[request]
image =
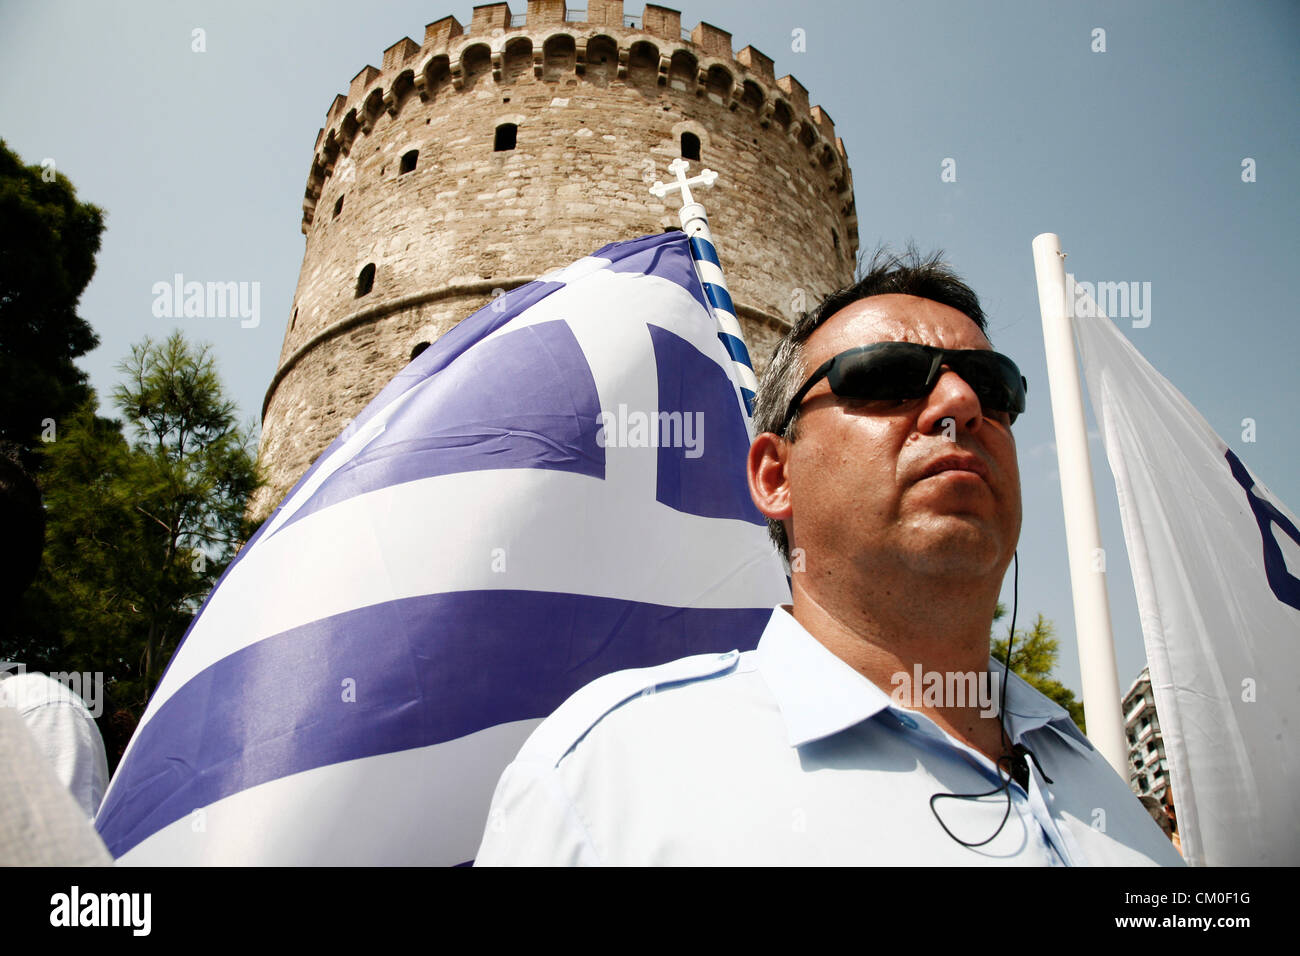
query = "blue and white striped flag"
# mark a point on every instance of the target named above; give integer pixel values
(554, 490)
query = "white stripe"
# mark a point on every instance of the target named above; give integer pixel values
(710, 273)
(730, 324)
(641, 300)
(576, 271)
(422, 807)
(557, 531)
(345, 453)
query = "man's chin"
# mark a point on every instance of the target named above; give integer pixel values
(962, 545)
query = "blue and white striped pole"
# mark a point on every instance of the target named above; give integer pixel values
(695, 223)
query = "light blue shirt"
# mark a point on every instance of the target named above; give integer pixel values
(786, 755)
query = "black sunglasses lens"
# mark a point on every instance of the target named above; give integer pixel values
(995, 380)
(887, 372)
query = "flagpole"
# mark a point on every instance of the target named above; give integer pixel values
(695, 223)
(1101, 699)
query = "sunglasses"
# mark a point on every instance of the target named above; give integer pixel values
(902, 370)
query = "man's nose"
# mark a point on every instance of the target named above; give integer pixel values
(951, 398)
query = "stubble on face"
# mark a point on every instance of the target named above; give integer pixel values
(859, 490)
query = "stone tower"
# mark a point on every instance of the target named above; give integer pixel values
(491, 154)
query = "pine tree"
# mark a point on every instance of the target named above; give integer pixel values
(1033, 657)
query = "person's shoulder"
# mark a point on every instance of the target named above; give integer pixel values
(559, 733)
(29, 690)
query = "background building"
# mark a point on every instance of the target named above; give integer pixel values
(1148, 767)
(487, 155)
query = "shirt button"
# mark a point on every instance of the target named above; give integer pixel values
(907, 721)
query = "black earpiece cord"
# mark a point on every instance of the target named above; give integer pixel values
(1017, 756)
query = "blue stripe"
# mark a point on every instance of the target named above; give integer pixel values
(706, 478)
(526, 399)
(454, 343)
(703, 250)
(425, 670)
(748, 396)
(665, 256)
(720, 297)
(736, 349)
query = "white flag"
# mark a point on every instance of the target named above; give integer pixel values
(1214, 558)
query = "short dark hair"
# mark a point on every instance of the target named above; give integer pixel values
(887, 273)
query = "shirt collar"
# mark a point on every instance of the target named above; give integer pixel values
(820, 695)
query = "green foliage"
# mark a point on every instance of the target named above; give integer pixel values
(193, 471)
(48, 242)
(1034, 657)
(137, 533)
(88, 594)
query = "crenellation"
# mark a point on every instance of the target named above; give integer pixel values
(399, 53)
(545, 13)
(825, 126)
(759, 65)
(337, 108)
(711, 40)
(794, 93)
(605, 13)
(740, 81)
(440, 33)
(490, 17)
(361, 82)
(599, 110)
(662, 22)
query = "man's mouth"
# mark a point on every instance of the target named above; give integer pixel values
(956, 463)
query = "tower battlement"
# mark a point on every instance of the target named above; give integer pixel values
(650, 47)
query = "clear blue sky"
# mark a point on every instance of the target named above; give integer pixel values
(1132, 155)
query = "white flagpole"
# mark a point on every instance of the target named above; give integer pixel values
(1101, 699)
(695, 223)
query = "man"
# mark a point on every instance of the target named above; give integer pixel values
(888, 475)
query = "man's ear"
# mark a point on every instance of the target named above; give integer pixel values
(769, 483)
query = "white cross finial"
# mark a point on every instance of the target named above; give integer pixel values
(679, 167)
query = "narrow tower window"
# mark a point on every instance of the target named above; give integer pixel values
(408, 162)
(505, 138)
(338, 207)
(690, 146)
(366, 280)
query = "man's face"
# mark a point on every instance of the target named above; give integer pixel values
(931, 483)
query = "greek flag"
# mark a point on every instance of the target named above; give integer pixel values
(1215, 557)
(554, 490)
